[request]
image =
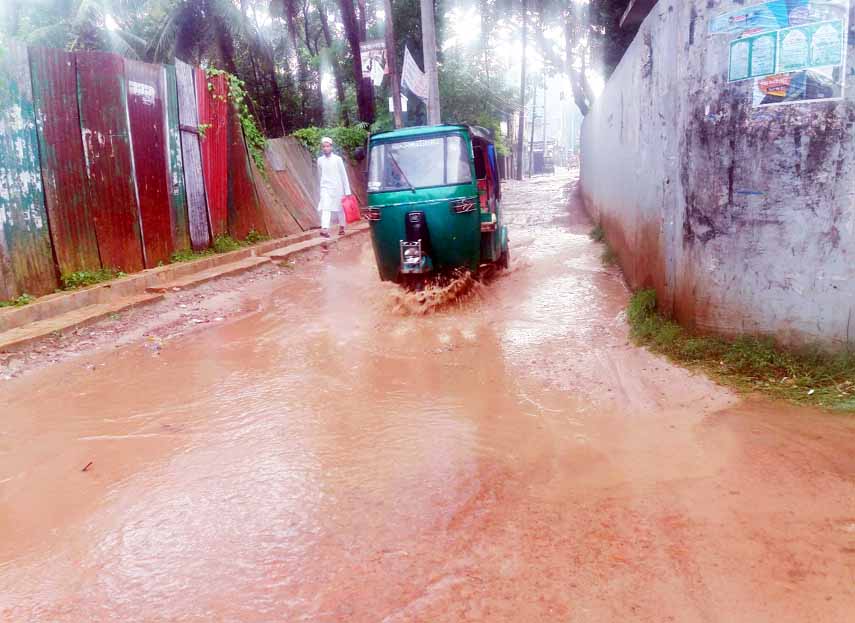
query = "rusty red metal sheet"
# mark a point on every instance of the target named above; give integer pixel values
(54, 76)
(177, 194)
(212, 102)
(293, 175)
(194, 184)
(277, 217)
(356, 177)
(147, 117)
(26, 257)
(244, 211)
(112, 188)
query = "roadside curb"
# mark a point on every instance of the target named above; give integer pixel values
(55, 304)
(17, 338)
(287, 252)
(232, 268)
(68, 310)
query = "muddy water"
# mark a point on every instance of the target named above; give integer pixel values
(336, 455)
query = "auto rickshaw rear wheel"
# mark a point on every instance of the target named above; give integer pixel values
(504, 260)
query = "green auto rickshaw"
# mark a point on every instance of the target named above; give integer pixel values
(434, 202)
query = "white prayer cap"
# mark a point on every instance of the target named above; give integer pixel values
(326, 141)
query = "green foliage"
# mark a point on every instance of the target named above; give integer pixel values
(254, 237)
(598, 234)
(24, 299)
(750, 363)
(83, 278)
(608, 39)
(345, 138)
(225, 243)
(188, 255)
(468, 96)
(255, 139)
(609, 257)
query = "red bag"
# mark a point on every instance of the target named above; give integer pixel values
(351, 208)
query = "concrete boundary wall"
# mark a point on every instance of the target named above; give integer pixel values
(742, 218)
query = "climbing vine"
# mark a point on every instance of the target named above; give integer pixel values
(255, 140)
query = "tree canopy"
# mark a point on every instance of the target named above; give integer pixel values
(298, 58)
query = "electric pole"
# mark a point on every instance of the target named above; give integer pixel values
(392, 63)
(429, 51)
(521, 127)
(531, 139)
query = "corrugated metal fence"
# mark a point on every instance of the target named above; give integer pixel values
(103, 164)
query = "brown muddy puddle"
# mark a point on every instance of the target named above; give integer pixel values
(331, 457)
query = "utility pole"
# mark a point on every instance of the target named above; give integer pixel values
(531, 137)
(544, 118)
(429, 51)
(521, 127)
(392, 63)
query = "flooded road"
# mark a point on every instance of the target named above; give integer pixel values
(327, 457)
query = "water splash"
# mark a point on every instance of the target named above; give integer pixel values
(440, 294)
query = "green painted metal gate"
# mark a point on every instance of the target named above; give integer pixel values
(26, 257)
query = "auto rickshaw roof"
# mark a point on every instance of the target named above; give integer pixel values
(423, 130)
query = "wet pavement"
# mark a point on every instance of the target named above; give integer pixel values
(329, 456)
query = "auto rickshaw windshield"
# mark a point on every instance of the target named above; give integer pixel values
(419, 163)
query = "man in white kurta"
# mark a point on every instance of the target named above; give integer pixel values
(334, 187)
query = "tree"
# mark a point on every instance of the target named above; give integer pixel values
(364, 97)
(73, 25)
(333, 59)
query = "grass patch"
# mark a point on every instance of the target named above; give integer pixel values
(24, 299)
(254, 237)
(609, 257)
(188, 255)
(225, 243)
(749, 363)
(83, 278)
(222, 244)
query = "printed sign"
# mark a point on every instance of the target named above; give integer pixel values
(808, 61)
(763, 54)
(794, 49)
(403, 104)
(753, 57)
(811, 85)
(145, 92)
(373, 55)
(766, 16)
(778, 14)
(740, 57)
(811, 45)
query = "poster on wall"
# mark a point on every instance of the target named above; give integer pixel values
(793, 50)
(777, 14)
(811, 45)
(753, 57)
(813, 85)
